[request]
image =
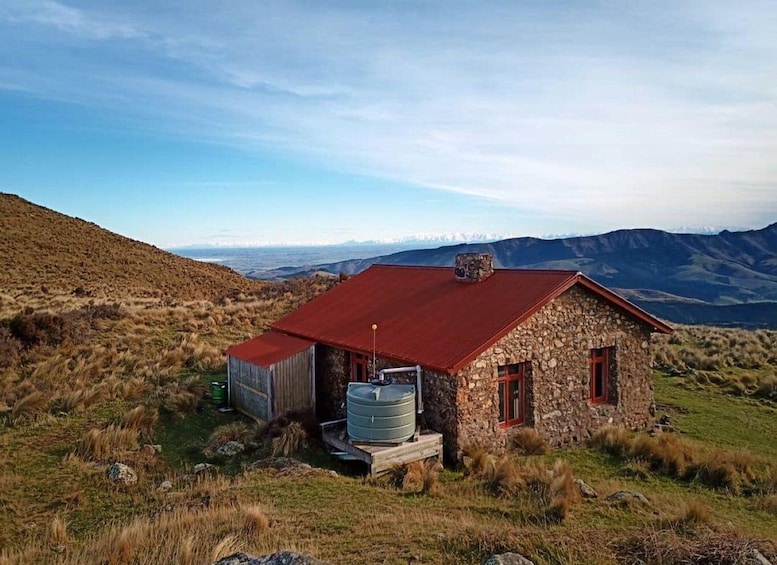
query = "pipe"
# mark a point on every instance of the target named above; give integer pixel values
(419, 392)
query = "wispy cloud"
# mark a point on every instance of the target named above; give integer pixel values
(663, 114)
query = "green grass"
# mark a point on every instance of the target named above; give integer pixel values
(709, 416)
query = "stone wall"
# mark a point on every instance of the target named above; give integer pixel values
(557, 341)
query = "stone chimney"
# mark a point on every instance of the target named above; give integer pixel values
(473, 267)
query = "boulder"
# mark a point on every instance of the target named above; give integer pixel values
(231, 448)
(585, 489)
(164, 486)
(201, 468)
(279, 558)
(508, 559)
(627, 497)
(122, 474)
(755, 557)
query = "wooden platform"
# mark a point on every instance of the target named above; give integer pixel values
(380, 457)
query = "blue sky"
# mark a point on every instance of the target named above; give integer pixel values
(300, 122)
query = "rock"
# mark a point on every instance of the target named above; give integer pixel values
(121, 473)
(152, 449)
(585, 489)
(164, 486)
(508, 559)
(201, 468)
(665, 420)
(58, 548)
(280, 558)
(626, 497)
(288, 467)
(231, 448)
(755, 557)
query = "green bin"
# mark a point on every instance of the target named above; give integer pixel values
(218, 391)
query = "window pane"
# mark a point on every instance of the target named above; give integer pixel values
(514, 407)
(501, 402)
(500, 371)
(599, 380)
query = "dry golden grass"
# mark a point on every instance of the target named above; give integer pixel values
(107, 443)
(292, 439)
(563, 491)
(526, 441)
(256, 521)
(29, 408)
(742, 362)
(141, 418)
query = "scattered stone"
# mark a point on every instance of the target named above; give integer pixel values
(121, 473)
(626, 497)
(231, 448)
(585, 489)
(280, 558)
(152, 449)
(755, 557)
(201, 468)
(58, 548)
(288, 467)
(164, 486)
(508, 559)
(665, 420)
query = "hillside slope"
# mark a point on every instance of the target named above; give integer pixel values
(651, 267)
(43, 249)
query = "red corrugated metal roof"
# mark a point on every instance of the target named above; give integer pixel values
(424, 316)
(268, 348)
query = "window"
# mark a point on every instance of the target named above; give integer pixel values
(511, 381)
(360, 367)
(600, 374)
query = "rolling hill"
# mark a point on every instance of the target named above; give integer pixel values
(44, 251)
(729, 278)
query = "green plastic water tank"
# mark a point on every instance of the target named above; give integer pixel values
(384, 413)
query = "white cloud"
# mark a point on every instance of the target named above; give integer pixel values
(658, 116)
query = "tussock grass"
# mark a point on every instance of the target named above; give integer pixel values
(417, 476)
(526, 441)
(29, 408)
(740, 362)
(107, 443)
(141, 418)
(256, 521)
(291, 440)
(672, 456)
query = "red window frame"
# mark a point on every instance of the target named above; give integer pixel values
(600, 374)
(512, 377)
(360, 367)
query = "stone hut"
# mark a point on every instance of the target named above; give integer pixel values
(499, 348)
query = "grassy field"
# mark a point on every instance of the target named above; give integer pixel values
(83, 384)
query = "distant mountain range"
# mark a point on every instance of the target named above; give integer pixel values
(729, 278)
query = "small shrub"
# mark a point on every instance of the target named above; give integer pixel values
(291, 440)
(526, 441)
(696, 512)
(194, 385)
(723, 470)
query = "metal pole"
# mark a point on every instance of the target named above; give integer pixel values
(374, 366)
